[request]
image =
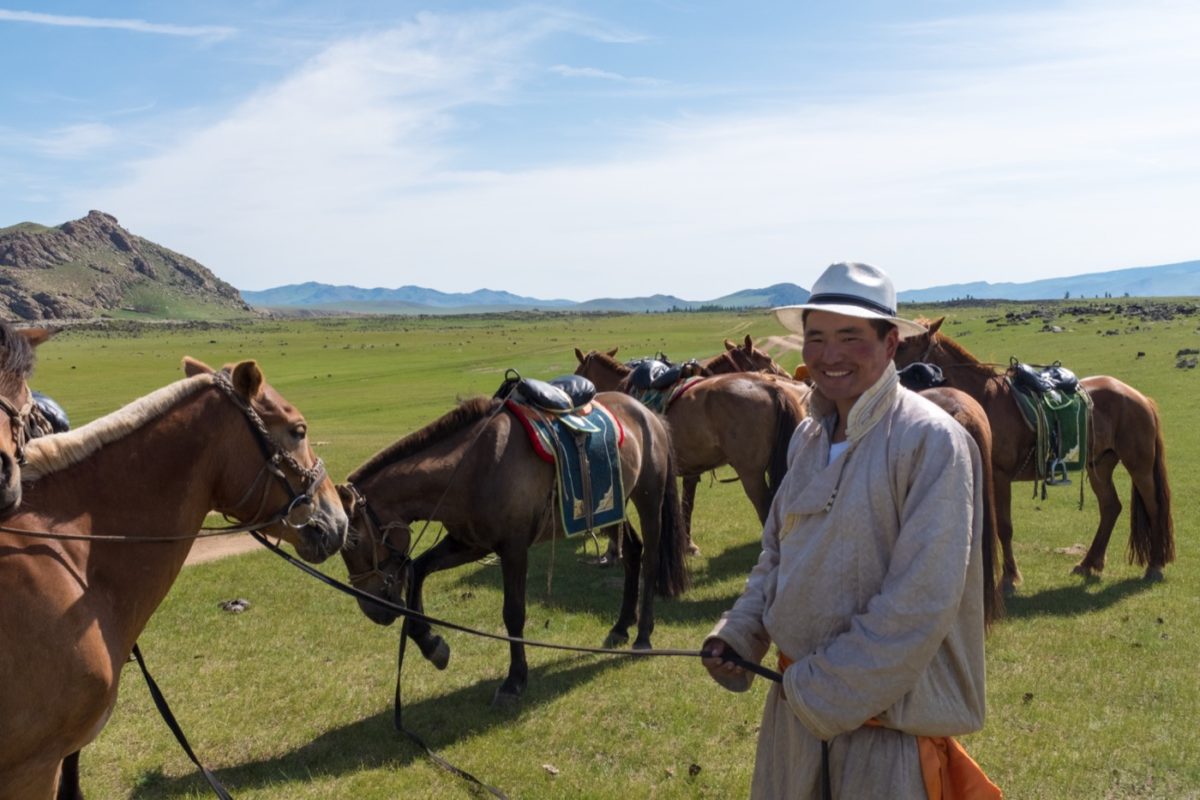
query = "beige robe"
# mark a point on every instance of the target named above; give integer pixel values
(871, 578)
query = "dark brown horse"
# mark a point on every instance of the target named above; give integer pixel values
(72, 609)
(16, 403)
(475, 471)
(743, 419)
(1125, 428)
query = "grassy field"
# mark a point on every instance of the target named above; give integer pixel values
(1092, 686)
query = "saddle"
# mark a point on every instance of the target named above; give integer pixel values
(919, 376)
(567, 397)
(1057, 410)
(580, 437)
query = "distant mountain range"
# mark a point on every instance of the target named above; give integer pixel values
(1168, 280)
(415, 299)
(92, 267)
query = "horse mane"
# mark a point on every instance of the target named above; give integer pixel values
(49, 454)
(964, 355)
(467, 413)
(16, 356)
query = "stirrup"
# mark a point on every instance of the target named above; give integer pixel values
(1056, 467)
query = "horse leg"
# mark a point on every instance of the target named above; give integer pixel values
(754, 483)
(446, 554)
(1100, 475)
(632, 552)
(514, 566)
(68, 781)
(1148, 524)
(1011, 576)
(690, 482)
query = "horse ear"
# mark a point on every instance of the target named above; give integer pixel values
(579, 355)
(729, 345)
(801, 373)
(348, 498)
(749, 343)
(247, 379)
(937, 323)
(193, 367)
(612, 353)
(36, 336)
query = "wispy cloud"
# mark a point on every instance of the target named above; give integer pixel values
(601, 74)
(1068, 145)
(75, 141)
(136, 25)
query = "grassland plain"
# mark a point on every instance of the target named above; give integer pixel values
(1092, 686)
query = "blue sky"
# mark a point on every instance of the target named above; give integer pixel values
(586, 149)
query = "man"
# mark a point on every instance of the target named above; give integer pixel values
(870, 579)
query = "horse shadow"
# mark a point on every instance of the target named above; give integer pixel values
(1074, 600)
(373, 742)
(583, 588)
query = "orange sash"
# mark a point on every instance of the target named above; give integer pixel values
(947, 768)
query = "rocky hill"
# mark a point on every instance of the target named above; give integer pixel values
(92, 267)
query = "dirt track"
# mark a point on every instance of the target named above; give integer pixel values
(219, 547)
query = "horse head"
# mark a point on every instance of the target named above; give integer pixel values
(16, 401)
(917, 348)
(600, 368)
(275, 468)
(748, 358)
(377, 557)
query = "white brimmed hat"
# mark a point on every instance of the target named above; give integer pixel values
(856, 290)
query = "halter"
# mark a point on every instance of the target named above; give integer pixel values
(19, 420)
(380, 534)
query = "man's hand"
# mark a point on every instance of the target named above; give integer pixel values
(718, 668)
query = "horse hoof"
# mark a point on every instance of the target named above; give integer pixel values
(642, 644)
(438, 653)
(1154, 575)
(1008, 589)
(615, 639)
(505, 699)
(692, 549)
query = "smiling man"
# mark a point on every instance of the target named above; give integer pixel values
(870, 579)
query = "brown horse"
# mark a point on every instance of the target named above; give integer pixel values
(73, 607)
(475, 471)
(16, 403)
(968, 413)
(743, 419)
(1125, 428)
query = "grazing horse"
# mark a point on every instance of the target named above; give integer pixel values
(16, 401)
(73, 604)
(475, 471)
(743, 419)
(1124, 426)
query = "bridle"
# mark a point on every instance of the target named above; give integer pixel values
(19, 422)
(397, 561)
(301, 507)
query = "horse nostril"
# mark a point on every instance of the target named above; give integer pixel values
(8, 468)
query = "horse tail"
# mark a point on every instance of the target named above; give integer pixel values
(672, 579)
(788, 415)
(1152, 541)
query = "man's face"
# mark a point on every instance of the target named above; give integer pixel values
(844, 355)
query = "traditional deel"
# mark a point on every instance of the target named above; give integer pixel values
(586, 451)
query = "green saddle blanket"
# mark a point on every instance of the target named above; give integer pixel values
(1060, 420)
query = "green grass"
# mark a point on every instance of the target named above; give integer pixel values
(1092, 687)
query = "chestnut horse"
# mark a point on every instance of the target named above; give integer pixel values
(1125, 428)
(743, 419)
(74, 604)
(16, 403)
(475, 471)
